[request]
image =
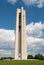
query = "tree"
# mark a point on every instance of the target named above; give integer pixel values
(39, 56)
(2, 58)
(30, 57)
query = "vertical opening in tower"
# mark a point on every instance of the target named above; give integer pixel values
(19, 35)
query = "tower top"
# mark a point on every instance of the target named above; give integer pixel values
(21, 7)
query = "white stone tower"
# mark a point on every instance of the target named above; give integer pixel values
(20, 43)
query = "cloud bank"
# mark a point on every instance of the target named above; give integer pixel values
(12, 1)
(36, 3)
(35, 40)
(35, 37)
(7, 40)
(35, 30)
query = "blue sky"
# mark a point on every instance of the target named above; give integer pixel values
(8, 13)
(34, 25)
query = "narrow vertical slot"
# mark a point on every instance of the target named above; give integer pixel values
(20, 35)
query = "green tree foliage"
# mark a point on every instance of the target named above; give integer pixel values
(30, 57)
(39, 56)
(2, 58)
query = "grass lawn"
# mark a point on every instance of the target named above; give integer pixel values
(21, 62)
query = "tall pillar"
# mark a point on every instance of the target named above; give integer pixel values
(20, 45)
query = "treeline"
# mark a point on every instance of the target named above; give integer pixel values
(37, 56)
(4, 58)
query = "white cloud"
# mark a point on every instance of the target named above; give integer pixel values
(7, 38)
(34, 37)
(29, 2)
(35, 43)
(35, 30)
(12, 1)
(6, 53)
(38, 3)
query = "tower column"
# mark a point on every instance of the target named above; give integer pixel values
(20, 45)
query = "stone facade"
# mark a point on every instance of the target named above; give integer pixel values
(20, 43)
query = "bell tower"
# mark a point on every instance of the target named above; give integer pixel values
(20, 43)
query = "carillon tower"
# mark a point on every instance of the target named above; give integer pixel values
(20, 43)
